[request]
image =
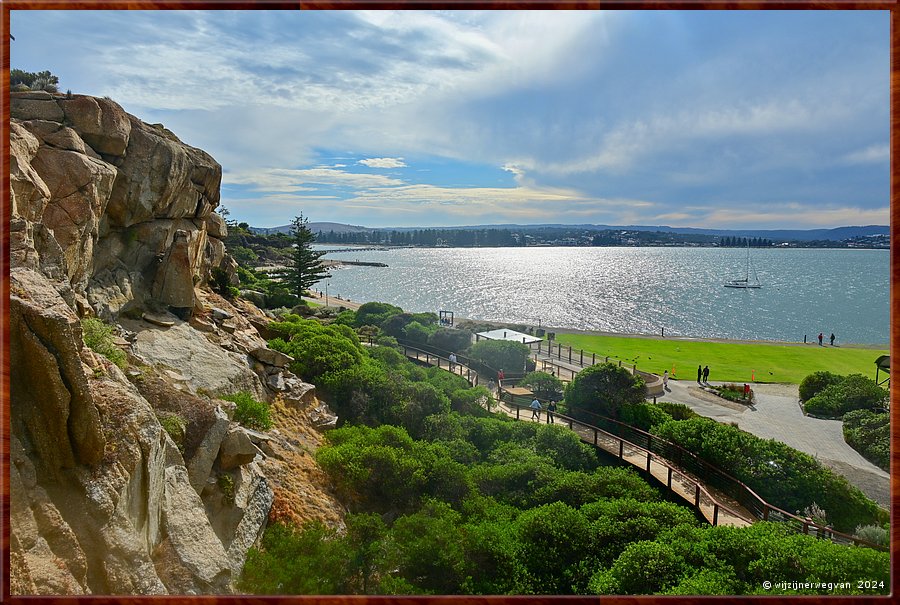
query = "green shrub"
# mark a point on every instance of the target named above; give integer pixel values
(874, 534)
(226, 484)
(451, 339)
(250, 413)
(98, 337)
(494, 355)
(543, 385)
(375, 313)
(815, 383)
(783, 476)
(175, 426)
(643, 415)
(603, 389)
(853, 392)
(869, 433)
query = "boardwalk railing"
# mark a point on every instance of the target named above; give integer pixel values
(681, 466)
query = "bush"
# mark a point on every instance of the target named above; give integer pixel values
(643, 415)
(781, 475)
(375, 313)
(853, 392)
(494, 355)
(874, 534)
(543, 385)
(451, 339)
(734, 392)
(175, 426)
(98, 337)
(603, 389)
(251, 413)
(816, 382)
(869, 433)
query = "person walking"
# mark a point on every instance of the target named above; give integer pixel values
(699, 374)
(535, 409)
(832, 339)
(551, 409)
(452, 361)
(500, 377)
(706, 374)
(666, 380)
(820, 339)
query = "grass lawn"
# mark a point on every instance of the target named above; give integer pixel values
(727, 361)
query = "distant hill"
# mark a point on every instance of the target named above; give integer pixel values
(314, 227)
(777, 235)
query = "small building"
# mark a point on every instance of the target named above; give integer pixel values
(507, 334)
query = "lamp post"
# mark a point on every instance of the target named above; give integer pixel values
(326, 293)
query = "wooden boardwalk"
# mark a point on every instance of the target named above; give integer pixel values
(717, 507)
(714, 506)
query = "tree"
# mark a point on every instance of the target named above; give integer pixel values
(43, 80)
(304, 268)
(603, 389)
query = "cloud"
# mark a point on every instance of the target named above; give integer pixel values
(281, 179)
(874, 154)
(383, 163)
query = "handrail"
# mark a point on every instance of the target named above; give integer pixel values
(767, 509)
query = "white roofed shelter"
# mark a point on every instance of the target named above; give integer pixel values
(507, 334)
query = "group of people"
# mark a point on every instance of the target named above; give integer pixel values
(536, 408)
(821, 338)
(702, 374)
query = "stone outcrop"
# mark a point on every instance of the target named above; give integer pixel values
(128, 205)
(115, 218)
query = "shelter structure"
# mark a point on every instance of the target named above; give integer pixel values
(883, 364)
(507, 334)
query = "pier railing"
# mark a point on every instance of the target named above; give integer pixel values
(681, 464)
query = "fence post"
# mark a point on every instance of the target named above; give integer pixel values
(765, 512)
(517, 412)
(570, 353)
(593, 358)
(559, 350)
(620, 363)
(697, 494)
(648, 461)
(595, 437)
(669, 480)
(715, 514)
(581, 362)
(621, 448)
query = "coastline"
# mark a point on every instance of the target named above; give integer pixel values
(353, 305)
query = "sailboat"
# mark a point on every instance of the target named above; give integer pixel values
(745, 283)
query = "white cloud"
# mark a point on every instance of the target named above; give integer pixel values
(383, 162)
(873, 154)
(281, 179)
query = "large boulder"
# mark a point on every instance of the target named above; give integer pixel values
(207, 366)
(102, 123)
(161, 178)
(35, 107)
(237, 449)
(201, 463)
(50, 393)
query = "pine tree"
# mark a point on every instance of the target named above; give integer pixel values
(305, 268)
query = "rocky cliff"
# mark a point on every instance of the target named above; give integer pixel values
(115, 218)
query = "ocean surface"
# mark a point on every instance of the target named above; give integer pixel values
(637, 290)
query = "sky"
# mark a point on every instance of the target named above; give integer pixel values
(715, 119)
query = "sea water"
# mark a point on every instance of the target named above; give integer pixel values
(637, 290)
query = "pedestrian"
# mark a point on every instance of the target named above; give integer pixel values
(551, 409)
(500, 378)
(706, 374)
(804, 339)
(666, 380)
(452, 361)
(746, 391)
(820, 339)
(832, 339)
(535, 409)
(699, 374)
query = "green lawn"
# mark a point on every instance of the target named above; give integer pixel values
(727, 361)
